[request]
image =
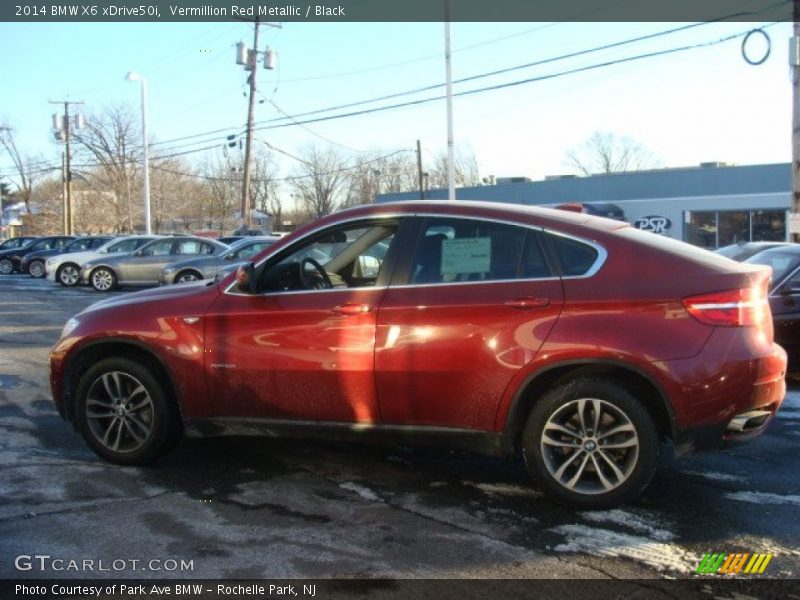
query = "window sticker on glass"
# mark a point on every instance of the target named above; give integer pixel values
(466, 255)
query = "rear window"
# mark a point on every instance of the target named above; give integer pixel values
(575, 258)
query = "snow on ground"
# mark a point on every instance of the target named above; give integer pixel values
(764, 498)
(717, 476)
(604, 542)
(504, 489)
(362, 491)
(643, 523)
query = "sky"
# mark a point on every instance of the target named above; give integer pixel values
(700, 105)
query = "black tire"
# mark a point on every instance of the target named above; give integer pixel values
(68, 274)
(576, 462)
(139, 441)
(103, 279)
(36, 269)
(187, 275)
(6, 266)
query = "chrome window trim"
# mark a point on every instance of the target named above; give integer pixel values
(602, 254)
(786, 278)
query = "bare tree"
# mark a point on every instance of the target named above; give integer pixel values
(264, 193)
(177, 195)
(26, 168)
(223, 175)
(319, 181)
(466, 169)
(110, 140)
(379, 173)
(607, 153)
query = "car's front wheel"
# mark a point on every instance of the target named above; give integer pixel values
(591, 443)
(188, 275)
(103, 279)
(6, 266)
(124, 413)
(68, 274)
(36, 269)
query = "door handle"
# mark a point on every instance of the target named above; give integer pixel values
(528, 303)
(351, 308)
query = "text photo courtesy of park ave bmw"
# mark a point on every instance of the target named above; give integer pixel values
(387, 300)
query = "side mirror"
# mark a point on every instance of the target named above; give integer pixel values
(138, 253)
(367, 267)
(246, 278)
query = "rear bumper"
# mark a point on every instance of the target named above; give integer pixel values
(749, 410)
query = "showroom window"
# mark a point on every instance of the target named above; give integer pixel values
(714, 229)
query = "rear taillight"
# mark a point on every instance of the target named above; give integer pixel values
(746, 307)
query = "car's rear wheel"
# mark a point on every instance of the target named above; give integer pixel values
(36, 269)
(124, 413)
(68, 274)
(103, 279)
(188, 275)
(6, 266)
(591, 443)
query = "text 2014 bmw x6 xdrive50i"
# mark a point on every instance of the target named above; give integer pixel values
(577, 342)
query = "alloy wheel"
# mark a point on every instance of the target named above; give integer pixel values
(36, 269)
(102, 280)
(6, 266)
(68, 275)
(589, 446)
(119, 412)
(187, 276)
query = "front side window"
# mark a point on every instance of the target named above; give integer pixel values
(249, 250)
(78, 245)
(45, 244)
(455, 250)
(161, 248)
(348, 257)
(123, 246)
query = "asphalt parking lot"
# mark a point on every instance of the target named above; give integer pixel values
(252, 508)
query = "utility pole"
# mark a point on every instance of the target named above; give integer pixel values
(64, 211)
(794, 65)
(2, 217)
(65, 128)
(451, 168)
(249, 59)
(419, 171)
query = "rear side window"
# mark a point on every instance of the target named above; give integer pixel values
(455, 250)
(575, 258)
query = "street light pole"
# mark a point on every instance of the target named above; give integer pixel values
(131, 76)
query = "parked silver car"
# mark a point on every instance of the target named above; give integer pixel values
(206, 267)
(143, 267)
(66, 268)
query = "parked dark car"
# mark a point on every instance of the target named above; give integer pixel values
(16, 242)
(510, 330)
(784, 296)
(229, 239)
(744, 250)
(34, 263)
(143, 266)
(10, 259)
(206, 267)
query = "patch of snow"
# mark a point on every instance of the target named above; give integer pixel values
(362, 491)
(438, 484)
(647, 525)
(604, 542)
(764, 498)
(504, 489)
(717, 476)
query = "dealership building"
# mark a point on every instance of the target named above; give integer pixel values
(711, 205)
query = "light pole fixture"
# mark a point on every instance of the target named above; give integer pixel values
(131, 76)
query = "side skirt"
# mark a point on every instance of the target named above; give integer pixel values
(480, 442)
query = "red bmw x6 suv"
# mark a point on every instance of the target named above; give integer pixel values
(577, 342)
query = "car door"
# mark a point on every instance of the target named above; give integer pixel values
(460, 320)
(297, 349)
(140, 266)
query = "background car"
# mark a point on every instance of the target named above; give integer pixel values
(744, 250)
(206, 267)
(514, 331)
(10, 259)
(143, 267)
(16, 242)
(34, 263)
(784, 296)
(66, 268)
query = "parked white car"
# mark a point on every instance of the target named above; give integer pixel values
(66, 268)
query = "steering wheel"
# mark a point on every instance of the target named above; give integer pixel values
(326, 281)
